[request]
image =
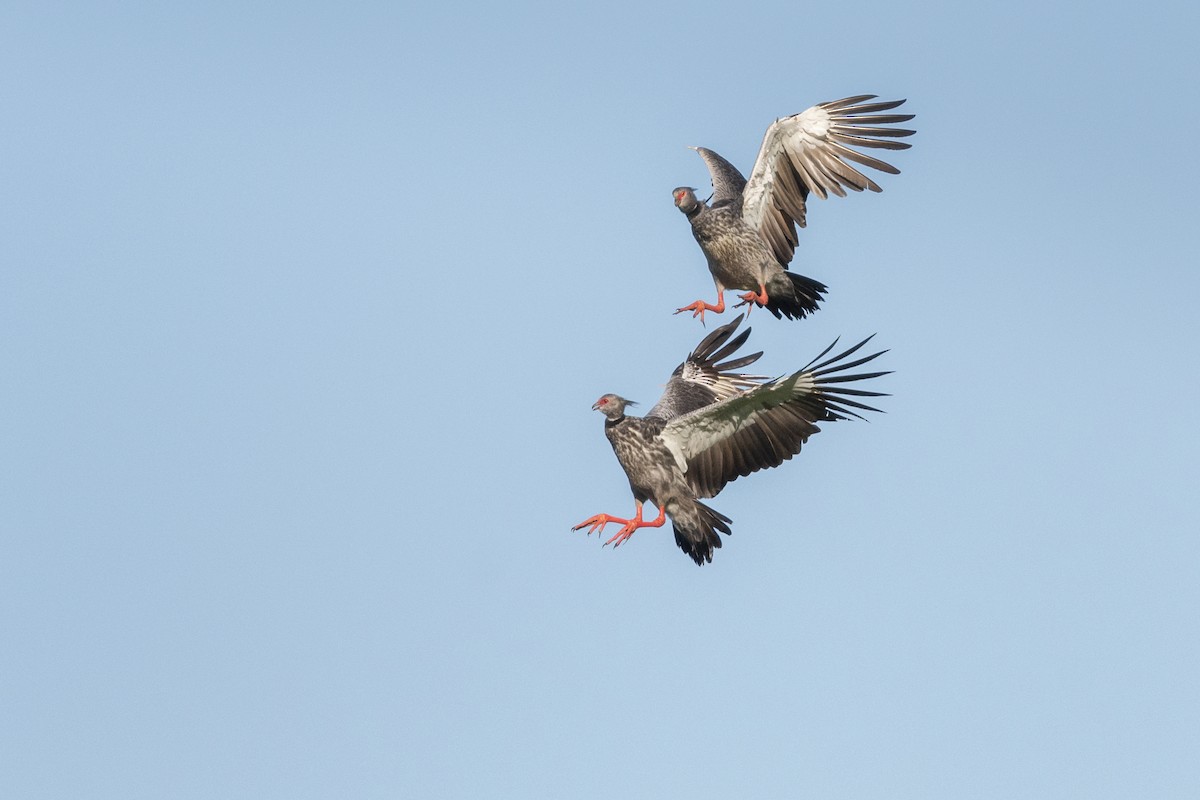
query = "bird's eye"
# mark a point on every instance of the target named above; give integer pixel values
(603, 400)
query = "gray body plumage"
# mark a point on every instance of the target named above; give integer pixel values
(749, 232)
(654, 477)
(713, 425)
(738, 258)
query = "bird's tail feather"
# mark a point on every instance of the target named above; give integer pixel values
(696, 531)
(803, 299)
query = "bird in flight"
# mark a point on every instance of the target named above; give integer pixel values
(747, 229)
(712, 425)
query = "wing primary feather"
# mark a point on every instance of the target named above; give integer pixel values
(835, 404)
(876, 119)
(849, 365)
(738, 363)
(862, 376)
(865, 130)
(835, 105)
(809, 366)
(838, 391)
(815, 368)
(839, 172)
(868, 108)
(728, 349)
(715, 338)
(862, 158)
(862, 141)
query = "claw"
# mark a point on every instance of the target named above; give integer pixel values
(622, 535)
(597, 523)
(754, 298)
(699, 307)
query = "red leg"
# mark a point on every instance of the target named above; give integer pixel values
(635, 523)
(699, 307)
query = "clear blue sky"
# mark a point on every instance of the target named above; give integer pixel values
(302, 312)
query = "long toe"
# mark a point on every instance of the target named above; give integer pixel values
(597, 523)
(699, 307)
(623, 534)
(753, 299)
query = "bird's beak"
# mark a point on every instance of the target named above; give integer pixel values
(596, 406)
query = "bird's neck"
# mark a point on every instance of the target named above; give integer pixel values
(612, 422)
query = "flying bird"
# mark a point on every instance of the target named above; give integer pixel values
(747, 229)
(712, 425)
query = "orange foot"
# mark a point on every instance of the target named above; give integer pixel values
(628, 526)
(755, 298)
(699, 307)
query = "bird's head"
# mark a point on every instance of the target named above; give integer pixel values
(612, 405)
(685, 199)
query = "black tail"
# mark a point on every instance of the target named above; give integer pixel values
(804, 299)
(699, 541)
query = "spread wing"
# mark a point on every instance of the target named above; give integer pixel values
(810, 152)
(701, 380)
(727, 181)
(766, 425)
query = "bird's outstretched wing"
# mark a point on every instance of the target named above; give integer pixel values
(810, 152)
(728, 183)
(701, 380)
(766, 425)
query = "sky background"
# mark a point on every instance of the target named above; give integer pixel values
(302, 311)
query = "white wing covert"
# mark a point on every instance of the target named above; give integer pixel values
(810, 152)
